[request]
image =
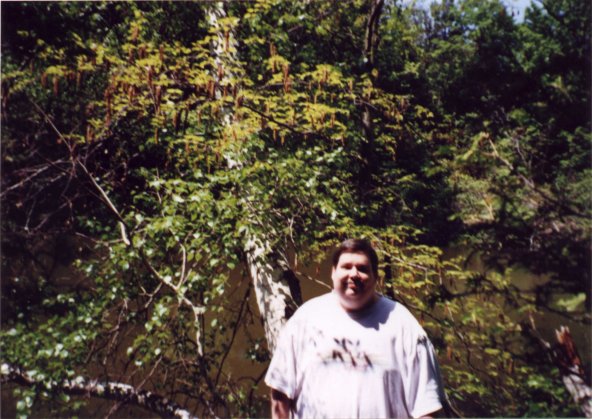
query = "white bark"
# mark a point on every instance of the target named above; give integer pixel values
(274, 297)
(105, 390)
(268, 269)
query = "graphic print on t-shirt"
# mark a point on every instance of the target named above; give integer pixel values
(340, 350)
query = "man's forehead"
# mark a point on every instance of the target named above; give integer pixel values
(359, 256)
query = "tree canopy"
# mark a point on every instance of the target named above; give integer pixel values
(171, 169)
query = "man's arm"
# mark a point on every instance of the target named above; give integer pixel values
(280, 405)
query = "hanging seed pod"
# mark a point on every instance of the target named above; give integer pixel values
(156, 135)
(351, 86)
(130, 55)
(282, 138)
(176, 121)
(332, 120)
(449, 353)
(89, 133)
(272, 49)
(135, 32)
(510, 367)
(212, 89)
(274, 134)
(44, 80)
(78, 79)
(226, 40)
(56, 85)
(234, 136)
(149, 75)
(130, 93)
(199, 115)
(402, 104)
(161, 53)
(220, 71)
(158, 96)
(286, 70)
(142, 52)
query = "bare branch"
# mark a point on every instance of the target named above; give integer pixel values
(110, 390)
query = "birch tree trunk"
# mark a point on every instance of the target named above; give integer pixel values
(276, 287)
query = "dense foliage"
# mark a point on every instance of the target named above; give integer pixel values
(145, 145)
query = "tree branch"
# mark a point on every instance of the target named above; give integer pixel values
(106, 390)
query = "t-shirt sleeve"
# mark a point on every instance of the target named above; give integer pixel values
(425, 393)
(281, 374)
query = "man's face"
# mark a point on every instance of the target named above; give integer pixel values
(353, 281)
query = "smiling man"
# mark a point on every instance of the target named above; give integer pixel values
(354, 353)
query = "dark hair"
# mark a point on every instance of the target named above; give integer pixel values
(357, 246)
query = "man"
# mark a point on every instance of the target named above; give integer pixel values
(352, 352)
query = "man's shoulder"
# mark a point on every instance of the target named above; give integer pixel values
(311, 311)
(401, 316)
(322, 302)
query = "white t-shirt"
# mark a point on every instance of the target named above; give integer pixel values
(371, 364)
